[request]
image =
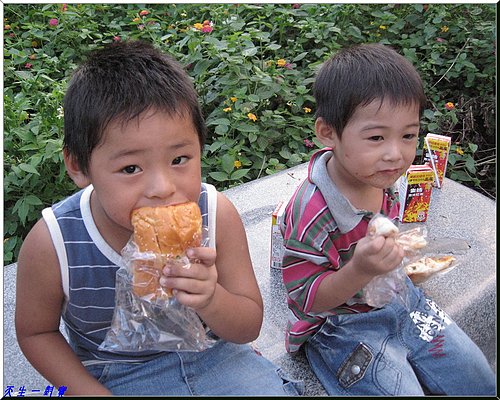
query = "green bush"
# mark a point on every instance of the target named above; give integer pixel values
(253, 66)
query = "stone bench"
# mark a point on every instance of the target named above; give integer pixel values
(467, 293)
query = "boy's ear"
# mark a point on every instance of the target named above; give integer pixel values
(325, 133)
(74, 171)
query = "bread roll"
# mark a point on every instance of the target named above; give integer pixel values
(165, 232)
(420, 270)
(381, 226)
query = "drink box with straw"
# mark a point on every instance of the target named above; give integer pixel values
(436, 150)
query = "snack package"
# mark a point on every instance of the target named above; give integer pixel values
(148, 317)
(277, 246)
(423, 259)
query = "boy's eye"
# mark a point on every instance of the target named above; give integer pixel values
(410, 136)
(131, 169)
(376, 138)
(179, 160)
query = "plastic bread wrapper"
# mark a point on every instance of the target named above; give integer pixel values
(153, 322)
(393, 286)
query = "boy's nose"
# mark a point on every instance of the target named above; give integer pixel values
(392, 152)
(160, 186)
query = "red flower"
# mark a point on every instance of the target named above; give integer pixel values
(207, 29)
(28, 66)
(117, 38)
(295, 6)
(143, 13)
(53, 22)
(449, 106)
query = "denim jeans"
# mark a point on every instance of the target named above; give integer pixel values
(224, 369)
(395, 351)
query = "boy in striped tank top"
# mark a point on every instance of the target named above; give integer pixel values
(133, 137)
(369, 103)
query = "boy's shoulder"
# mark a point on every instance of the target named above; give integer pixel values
(71, 203)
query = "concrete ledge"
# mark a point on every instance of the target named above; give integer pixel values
(467, 293)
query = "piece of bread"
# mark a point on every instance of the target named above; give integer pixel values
(381, 226)
(164, 232)
(420, 270)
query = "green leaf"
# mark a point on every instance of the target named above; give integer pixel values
(273, 46)
(254, 98)
(244, 127)
(28, 168)
(219, 121)
(227, 163)
(470, 164)
(201, 67)
(219, 176)
(249, 52)
(33, 200)
(473, 147)
(239, 173)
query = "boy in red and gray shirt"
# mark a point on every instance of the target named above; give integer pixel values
(369, 103)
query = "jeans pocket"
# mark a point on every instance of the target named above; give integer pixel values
(292, 387)
(354, 367)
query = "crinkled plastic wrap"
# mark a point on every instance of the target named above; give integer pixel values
(385, 288)
(392, 286)
(156, 321)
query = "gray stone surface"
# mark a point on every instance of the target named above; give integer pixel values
(467, 293)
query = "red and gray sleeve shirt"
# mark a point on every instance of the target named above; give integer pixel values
(320, 230)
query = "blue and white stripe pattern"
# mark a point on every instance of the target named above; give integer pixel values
(88, 271)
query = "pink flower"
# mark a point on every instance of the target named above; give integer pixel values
(440, 40)
(53, 22)
(143, 13)
(117, 38)
(28, 66)
(207, 29)
(449, 106)
(308, 143)
(64, 7)
(295, 6)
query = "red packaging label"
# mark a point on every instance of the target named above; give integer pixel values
(415, 193)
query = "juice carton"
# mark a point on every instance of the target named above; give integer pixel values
(436, 150)
(415, 193)
(277, 247)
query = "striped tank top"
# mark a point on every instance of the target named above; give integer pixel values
(88, 273)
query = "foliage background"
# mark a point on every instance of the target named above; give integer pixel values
(253, 66)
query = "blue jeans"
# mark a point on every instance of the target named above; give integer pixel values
(393, 351)
(224, 369)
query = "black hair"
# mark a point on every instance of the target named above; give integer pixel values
(355, 76)
(121, 81)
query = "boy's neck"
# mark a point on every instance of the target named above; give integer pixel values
(361, 196)
(114, 235)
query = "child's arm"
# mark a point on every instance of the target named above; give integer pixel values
(222, 288)
(39, 298)
(372, 257)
